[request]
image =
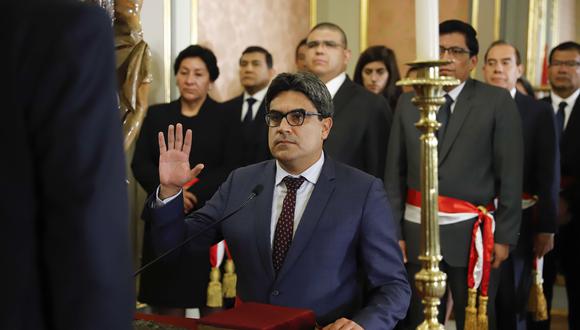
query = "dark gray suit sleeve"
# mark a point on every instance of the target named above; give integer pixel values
(396, 167)
(377, 136)
(508, 164)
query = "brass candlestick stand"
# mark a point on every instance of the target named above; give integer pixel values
(430, 281)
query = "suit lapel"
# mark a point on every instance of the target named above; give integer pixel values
(460, 112)
(342, 96)
(312, 214)
(573, 122)
(264, 218)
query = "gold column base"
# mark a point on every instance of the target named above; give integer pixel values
(430, 281)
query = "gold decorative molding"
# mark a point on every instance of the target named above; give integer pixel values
(554, 31)
(363, 28)
(194, 22)
(167, 49)
(537, 30)
(313, 13)
(497, 20)
(474, 13)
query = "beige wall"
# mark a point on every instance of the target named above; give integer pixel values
(346, 14)
(229, 26)
(568, 16)
(392, 23)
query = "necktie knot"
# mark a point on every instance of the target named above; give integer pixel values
(448, 100)
(293, 184)
(251, 102)
(562, 105)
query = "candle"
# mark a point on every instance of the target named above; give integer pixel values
(427, 29)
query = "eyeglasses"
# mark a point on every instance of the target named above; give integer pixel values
(453, 51)
(294, 117)
(325, 43)
(569, 64)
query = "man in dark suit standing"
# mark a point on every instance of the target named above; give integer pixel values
(64, 242)
(316, 227)
(502, 67)
(362, 120)
(256, 71)
(564, 75)
(480, 159)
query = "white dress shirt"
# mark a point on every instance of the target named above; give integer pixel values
(259, 96)
(303, 193)
(334, 84)
(454, 94)
(570, 101)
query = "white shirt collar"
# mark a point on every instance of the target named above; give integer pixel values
(259, 95)
(334, 84)
(454, 93)
(570, 100)
(311, 174)
(513, 93)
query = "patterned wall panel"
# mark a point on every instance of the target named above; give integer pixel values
(229, 26)
(392, 23)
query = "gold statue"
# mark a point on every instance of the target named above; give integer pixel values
(133, 67)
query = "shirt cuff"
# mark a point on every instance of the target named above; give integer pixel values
(158, 202)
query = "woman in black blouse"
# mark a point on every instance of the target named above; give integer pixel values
(173, 285)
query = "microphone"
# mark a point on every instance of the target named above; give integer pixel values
(255, 192)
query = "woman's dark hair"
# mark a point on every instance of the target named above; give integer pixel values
(205, 54)
(387, 56)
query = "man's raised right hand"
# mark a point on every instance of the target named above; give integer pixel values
(174, 170)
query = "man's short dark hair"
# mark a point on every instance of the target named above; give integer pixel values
(504, 43)
(333, 27)
(454, 25)
(568, 45)
(300, 44)
(205, 54)
(306, 83)
(258, 49)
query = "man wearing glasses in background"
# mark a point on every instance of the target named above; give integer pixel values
(564, 75)
(362, 120)
(315, 229)
(480, 159)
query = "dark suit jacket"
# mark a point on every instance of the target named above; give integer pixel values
(183, 283)
(254, 136)
(64, 242)
(481, 158)
(570, 156)
(345, 229)
(360, 133)
(541, 164)
(567, 241)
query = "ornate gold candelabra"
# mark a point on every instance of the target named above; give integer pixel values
(430, 281)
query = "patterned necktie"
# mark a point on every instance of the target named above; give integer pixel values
(443, 117)
(285, 225)
(560, 117)
(249, 114)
